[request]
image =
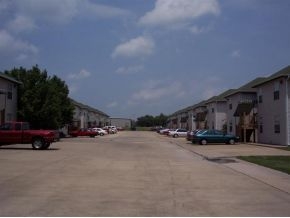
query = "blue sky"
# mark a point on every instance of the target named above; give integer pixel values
(130, 58)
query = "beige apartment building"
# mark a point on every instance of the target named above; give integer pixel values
(258, 111)
(8, 98)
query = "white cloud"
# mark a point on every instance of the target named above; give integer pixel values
(112, 104)
(236, 54)
(61, 12)
(80, 75)
(102, 11)
(198, 30)
(168, 12)
(21, 24)
(12, 47)
(156, 90)
(53, 10)
(130, 69)
(4, 5)
(140, 46)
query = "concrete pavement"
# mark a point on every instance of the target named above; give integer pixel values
(129, 174)
(226, 155)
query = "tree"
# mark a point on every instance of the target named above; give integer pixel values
(42, 100)
(148, 120)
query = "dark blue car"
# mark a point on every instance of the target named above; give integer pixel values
(214, 136)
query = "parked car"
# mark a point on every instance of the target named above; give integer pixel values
(110, 129)
(100, 131)
(165, 131)
(214, 136)
(83, 132)
(178, 133)
(190, 134)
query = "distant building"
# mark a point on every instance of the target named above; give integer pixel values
(86, 116)
(121, 122)
(8, 98)
(217, 111)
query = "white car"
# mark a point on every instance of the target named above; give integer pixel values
(100, 131)
(178, 133)
(111, 129)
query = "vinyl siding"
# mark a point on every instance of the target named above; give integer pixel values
(273, 111)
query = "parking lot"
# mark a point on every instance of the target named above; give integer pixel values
(139, 174)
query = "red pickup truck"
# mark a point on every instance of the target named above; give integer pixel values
(20, 133)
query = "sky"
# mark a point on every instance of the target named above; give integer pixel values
(130, 58)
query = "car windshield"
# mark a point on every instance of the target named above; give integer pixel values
(201, 131)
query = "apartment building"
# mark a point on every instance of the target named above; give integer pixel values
(217, 111)
(258, 111)
(274, 109)
(8, 98)
(242, 111)
(86, 116)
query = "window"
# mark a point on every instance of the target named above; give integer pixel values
(276, 90)
(6, 126)
(260, 99)
(277, 124)
(212, 110)
(18, 126)
(230, 106)
(231, 127)
(276, 95)
(277, 127)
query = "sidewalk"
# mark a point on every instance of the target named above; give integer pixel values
(226, 156)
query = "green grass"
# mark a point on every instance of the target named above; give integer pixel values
(281, 163)
(286, 148)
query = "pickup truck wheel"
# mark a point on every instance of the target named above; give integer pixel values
(38, 144)
(46, 145)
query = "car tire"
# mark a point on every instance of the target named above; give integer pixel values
(47, 145)
(38, 144)
(175, 136)
(102, 134)
(231, 141)
(203, 142)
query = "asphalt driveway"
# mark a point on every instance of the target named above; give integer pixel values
(130, 174)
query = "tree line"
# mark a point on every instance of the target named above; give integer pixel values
(149, 120)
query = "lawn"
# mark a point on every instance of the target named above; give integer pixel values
(281, 163)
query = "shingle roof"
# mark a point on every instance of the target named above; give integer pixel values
(247, 87)
(220, 97)
(2, 75)
(281, 73)
(83, 106)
